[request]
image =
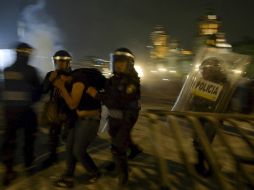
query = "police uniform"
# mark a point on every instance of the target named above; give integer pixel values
(21, 90)
(210, 89)
(55, 127)
(212, 86)
(122, 95)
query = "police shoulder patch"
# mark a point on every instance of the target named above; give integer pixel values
(130, 88)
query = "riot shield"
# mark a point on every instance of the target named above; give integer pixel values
(211, 84)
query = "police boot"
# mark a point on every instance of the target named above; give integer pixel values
(202, 167)
(134, 152)
(50, 160)
(8, 177)
(123, 175)
(122, 170)
(110, 167)
(29, 165)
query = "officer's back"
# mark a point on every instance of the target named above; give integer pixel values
(21, 81)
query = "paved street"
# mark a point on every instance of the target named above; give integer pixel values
(145, 170)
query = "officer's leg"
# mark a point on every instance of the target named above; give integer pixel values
(134, 148)
(67, 178)
(55, 130)
(119, 134)
(202, 165)
(9, 146)
(30, 130)
(54, 133)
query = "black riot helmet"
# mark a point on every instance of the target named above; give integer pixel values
(122, 55)
(24, 52)
(213, 69)
(24, 49)
(62, 57)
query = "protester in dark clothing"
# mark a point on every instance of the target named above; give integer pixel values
(86, 111)
(21, 90)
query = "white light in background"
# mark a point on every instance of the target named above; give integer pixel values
(212, 17)
(139, 71)
(197, 67)
(7, 57)
(223, 45)
(237, 71)
(162, 69)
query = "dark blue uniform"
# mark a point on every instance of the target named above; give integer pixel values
(20, 91)
(122, 95)
(55, 127)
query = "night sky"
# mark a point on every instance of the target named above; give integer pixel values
(97, 27)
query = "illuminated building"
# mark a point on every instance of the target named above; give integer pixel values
(209, 25)
(209, 32)
(160, 43)
(166, 57)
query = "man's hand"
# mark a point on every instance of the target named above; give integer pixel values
(52, 76)
(59, 84)
(91, 91)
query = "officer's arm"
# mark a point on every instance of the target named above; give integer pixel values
(94, 93)
(36, 85)
(72, 99)
(46, 84)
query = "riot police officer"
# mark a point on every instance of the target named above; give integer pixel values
(122, 95)
(20, 91)
(212, 70)
(62, 60)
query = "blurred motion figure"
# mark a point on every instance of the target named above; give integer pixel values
(21, 90)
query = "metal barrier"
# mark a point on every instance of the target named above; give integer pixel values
(242, 177)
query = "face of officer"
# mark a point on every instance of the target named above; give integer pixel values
(61, 64)
(24, 54)
(121, 66)
(212, 72)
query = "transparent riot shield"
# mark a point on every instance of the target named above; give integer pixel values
(211, 84)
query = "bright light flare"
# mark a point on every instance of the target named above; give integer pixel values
(236, 71)
(7, 57)
(139, 70)
(162, 69)
(196, 67)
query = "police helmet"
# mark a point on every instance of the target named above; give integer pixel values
(62, 55)
(212, 63)
(24, 49)
(122, 54)
(213, 69)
